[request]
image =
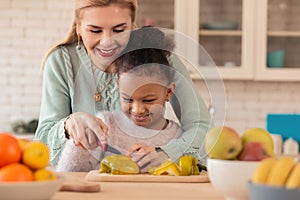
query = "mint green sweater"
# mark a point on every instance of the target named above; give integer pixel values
(69, 86)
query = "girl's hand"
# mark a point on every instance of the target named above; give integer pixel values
(141, 149)
(146, 157)
(86, 130)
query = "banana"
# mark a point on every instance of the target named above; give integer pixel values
(280, 171)
(261, 173)
(293, 180)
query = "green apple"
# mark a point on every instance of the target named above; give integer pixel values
(259, 135)
(223, 143)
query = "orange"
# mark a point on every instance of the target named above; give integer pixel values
(44, 175)
(10, 151)
(16, 172)
(23, 142)
(36, 155)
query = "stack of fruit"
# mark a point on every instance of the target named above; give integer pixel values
(23, 160)
(283, 171)
(234, 159)
(225, 143)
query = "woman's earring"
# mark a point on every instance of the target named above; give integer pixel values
(78, 47)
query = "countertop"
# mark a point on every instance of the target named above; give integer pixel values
(138, 190)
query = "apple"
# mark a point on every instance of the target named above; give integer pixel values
(223, 143)
(259, 135)
(253, 151)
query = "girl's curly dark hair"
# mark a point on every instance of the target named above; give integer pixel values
(149, 47)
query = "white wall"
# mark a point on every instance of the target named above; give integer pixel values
(248, 102)
(29, 27)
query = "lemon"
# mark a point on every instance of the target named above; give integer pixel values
(36, 155)
(44, 175)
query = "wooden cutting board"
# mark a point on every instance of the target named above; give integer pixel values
(94, 175)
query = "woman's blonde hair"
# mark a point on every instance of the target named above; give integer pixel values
(81, 4)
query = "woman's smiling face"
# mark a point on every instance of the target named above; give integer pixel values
(104, 32)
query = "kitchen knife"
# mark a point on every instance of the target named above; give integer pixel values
(112, 149)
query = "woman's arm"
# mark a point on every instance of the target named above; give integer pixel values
(192, 113)
(55, 106)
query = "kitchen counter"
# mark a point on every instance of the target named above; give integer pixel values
(141, 191)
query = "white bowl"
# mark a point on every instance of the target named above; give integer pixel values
(231, 177)
(35, 190)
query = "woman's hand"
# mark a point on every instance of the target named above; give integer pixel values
(146, 157)
(86, 130)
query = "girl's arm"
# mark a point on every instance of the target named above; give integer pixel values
(76, 159)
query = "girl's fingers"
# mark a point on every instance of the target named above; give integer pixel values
(134, 148)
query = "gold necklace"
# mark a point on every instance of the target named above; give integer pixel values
(98, 92)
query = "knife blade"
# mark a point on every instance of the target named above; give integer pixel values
(112, 149)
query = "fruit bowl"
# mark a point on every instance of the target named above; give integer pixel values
(33, 190)
(263, 192)
(231, 176)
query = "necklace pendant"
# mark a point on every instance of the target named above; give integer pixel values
(97, 97)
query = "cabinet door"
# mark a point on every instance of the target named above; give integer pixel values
(278, 41)
(225, 29)
(156, 13)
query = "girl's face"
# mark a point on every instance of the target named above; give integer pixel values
(143, 99)
(104, 32)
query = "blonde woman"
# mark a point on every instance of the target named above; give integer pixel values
(75, 89)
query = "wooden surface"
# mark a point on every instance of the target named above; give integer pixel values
(102, 177)
(139, 190)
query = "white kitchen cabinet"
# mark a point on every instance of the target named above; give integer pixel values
(156, 12)
(278, 28)
(249, 29)
(226, 47)
(225, 28)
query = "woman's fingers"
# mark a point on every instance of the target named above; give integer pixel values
(101, 133)
(76, 130)
(103, 126)
(101, 130)
(87, 130)
(91, 138)
(80, 136)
